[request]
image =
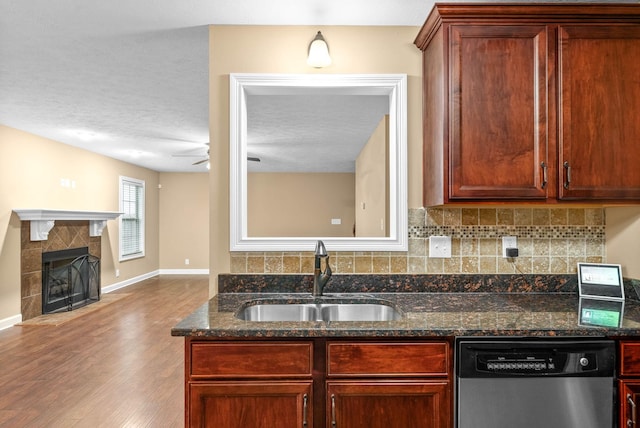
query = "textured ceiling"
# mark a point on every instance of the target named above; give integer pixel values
(128, 78)
(310, 133)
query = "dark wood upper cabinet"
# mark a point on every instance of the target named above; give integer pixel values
(531, 103)
(498, 112)
(599, 122)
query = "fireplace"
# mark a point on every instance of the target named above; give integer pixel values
(47, 230)
(70, 279)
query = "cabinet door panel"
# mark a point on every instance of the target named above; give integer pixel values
(498, 110)
(384, 404)
(629, 401)
(250, 404)
(600, 111)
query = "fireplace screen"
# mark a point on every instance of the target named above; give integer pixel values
(70, 279)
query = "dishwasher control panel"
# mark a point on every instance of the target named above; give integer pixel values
(536, 363)
(500, 358)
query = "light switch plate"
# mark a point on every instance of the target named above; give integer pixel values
(440, 247)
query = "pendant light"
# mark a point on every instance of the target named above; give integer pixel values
(318, 52)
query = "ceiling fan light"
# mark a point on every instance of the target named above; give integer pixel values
(318, 55)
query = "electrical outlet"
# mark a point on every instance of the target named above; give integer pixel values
(186, 261)
(508, 242)
(440, 247)
(117, 273)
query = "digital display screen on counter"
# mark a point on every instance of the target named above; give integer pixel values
(600, 317)
(601, 313)
(600, 280)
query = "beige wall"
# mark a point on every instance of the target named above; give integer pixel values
(31, 168)
(184, 220)
(275, 49)
(30, 172)
(372, 184)
(300, 204)
(551, 239)
(623, 239)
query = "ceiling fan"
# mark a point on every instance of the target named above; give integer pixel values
(190, 154)
(202, 160)
(206, 158)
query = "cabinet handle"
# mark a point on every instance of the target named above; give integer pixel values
(568, 180)
(304, 411)
(544, 174)
(333, 410)
(631, 422)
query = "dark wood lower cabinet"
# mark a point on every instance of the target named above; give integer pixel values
(341, 383)
(629, 400)
(629, 383)
(251, 404)
(384, 404)
(258, 383)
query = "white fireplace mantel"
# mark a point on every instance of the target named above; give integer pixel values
(43, 220)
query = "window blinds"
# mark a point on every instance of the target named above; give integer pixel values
(132, 219)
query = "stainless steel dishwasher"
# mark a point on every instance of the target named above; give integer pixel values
(529, 383)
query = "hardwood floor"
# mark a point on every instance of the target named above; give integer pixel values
(116, 367)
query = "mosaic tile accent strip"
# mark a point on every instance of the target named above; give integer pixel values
(484, 232)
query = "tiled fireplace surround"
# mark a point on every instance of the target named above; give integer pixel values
(65, 234)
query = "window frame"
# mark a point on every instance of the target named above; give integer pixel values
(140, 216)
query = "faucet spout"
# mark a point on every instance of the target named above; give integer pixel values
(320, 278)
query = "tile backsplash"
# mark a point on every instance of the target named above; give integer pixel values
(550, 241)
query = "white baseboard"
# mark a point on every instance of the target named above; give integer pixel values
(184, 271)
(122, 284)
(10, 322)
(130, 281)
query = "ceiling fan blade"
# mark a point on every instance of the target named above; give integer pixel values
(193, 153)
(200, 161)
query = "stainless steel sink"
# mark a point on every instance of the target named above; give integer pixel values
(359, 312)
(278, 312)
(318, 312)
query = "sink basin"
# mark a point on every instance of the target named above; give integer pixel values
(278, 312)
(359, 312)
(319, 312)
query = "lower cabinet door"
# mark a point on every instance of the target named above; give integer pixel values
(385, 404)
(629, 403)
(250, 404)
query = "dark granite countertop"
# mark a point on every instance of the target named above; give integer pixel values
(528, 310)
